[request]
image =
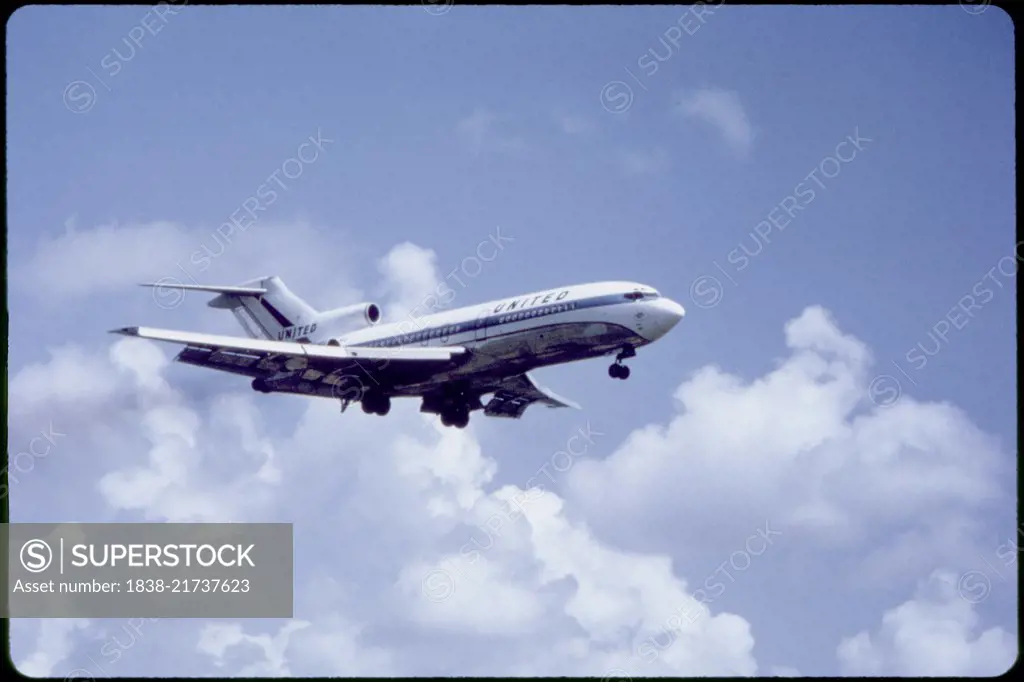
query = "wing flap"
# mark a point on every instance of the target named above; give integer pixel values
(517, 393)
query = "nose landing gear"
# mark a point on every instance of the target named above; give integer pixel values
(619, 370)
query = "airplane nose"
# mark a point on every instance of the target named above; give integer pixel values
(666, 314)
(673, 311)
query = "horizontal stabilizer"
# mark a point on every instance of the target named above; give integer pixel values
(213, 289)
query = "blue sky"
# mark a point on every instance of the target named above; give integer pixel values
(439, 126)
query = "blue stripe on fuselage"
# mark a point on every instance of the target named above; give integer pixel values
(504, 317)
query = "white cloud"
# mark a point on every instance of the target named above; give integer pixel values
(722, 110)
(526, 568)
(411, 274)
(489, 603)
(104, 259)
(335, 647)
(54, 644)
(804, 448)
(71, 378)
(588, 581)
(935, 634)
(216, 639)
(175, 484)
(112, 259)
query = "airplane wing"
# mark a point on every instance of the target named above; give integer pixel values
(297, 350)
(514, 394)
(314, 369)
(305, 368)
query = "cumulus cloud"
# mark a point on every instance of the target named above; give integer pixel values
(216, 639)
(107, 258)
(112, 259)
(413, 555)
(54, 643)
(410, 272)
(804, 447)
(937, 633)
(723, 111)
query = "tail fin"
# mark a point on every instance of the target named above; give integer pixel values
(265, 308)
(277, 314)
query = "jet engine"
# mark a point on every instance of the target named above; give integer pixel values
(371, 313)
(350, 318)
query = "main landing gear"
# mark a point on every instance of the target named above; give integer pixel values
(455, 415)
(453, 404)
(619, 370)
(376, 403)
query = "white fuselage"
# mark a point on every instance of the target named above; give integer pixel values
(542, 328)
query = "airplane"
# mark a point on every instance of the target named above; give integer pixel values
(449, 359)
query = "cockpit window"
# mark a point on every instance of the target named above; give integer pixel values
(640, 295)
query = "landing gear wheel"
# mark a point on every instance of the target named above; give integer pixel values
(618, 371)
(375, 403)
(455, 416)
(260, 385)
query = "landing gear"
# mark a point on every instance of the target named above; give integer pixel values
(376, 403)
(453, 403)
(260, 385)
(619, 370)
(455, 415)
